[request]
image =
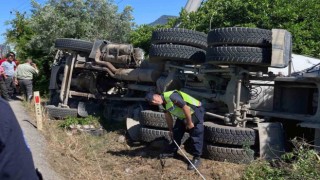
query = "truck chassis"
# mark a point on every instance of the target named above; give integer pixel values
(250, 112)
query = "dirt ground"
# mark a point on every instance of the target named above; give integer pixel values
(83, 156)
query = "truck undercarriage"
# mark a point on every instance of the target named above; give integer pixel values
(249, 111)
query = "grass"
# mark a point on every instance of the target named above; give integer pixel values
(79, 156)
(82, 156)
(90, 120)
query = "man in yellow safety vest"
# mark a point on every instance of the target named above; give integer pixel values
(189, 113)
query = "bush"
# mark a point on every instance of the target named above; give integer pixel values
(302, 163)
(90, 120)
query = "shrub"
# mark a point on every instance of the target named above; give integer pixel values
(301, 163)
(90, 120)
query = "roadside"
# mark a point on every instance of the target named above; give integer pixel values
(35, 140)
(79, 155)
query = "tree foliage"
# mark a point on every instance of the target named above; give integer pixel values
(34, 35)
(300, 17)
(21, 32)
(141, 36)
(80, 19)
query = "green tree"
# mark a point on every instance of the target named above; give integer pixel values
(80, 19)
(141, 36)
(34, 36)
(20, 33)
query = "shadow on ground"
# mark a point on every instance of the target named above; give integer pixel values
(147, 150)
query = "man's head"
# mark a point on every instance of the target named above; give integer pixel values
(10, 56)
(29, 61)
(154, 98)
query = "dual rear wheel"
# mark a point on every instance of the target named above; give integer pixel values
(222, 143)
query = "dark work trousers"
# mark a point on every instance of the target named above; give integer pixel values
(3, 89)
(10, 85)
(26, 87)
(196, 133)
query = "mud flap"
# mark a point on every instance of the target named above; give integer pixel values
(133, 129)
(272, 142)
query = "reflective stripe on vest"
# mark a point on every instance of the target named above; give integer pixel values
(176, 111)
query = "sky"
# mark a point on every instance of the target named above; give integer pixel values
(144, 11)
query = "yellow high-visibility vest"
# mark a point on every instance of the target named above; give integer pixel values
(175, 110)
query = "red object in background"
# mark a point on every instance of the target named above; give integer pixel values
(37, 99)
(2, 60)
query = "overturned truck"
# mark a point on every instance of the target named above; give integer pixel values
(250, 112)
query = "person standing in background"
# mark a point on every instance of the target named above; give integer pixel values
(3, 87)
(14, 59)
(24, 77)
(16, 88)
(9, 66)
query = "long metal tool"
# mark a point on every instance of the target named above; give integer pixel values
(188, 160)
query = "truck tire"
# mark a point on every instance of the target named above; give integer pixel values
(221, 134)
(179, 36)
(162, 52)
(74, 45)
(240, 36)
(154, 119)
(60, 113)
(234, 155)
(239, 55)
(149, 135)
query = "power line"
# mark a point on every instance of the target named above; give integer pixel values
(22, 5)
(120, 1)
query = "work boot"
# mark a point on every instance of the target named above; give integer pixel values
(196, 162)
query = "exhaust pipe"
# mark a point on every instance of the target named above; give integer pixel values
(143, 75)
